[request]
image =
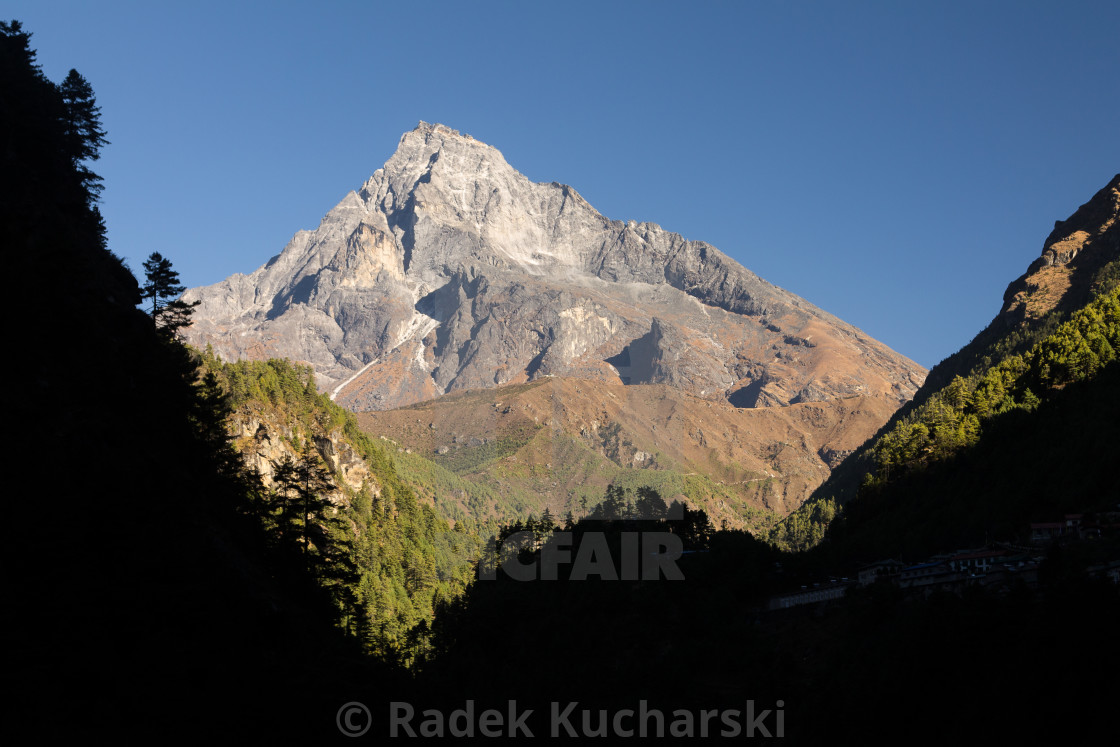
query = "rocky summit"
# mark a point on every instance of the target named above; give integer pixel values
(552, 351)
(449, 270)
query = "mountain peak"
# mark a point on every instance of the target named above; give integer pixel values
(434, 164)
(429, 128)
(428, 138)
(450, 270)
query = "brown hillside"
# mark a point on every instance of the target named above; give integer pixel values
(561, 439)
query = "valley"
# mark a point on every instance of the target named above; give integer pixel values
(293, 504)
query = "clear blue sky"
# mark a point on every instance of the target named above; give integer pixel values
(896, 163)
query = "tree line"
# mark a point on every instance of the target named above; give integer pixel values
(952, 418)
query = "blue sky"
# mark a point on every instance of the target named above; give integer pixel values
(896, 163)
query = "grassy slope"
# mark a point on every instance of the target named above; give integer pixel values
(558, 443)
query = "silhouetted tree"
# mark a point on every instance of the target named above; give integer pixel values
(172, 580)
(649, 505)
(169, 313)
(83, 134)
(302, 483)
(323, 531)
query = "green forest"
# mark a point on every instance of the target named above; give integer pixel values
(940, 424)
(387, 559)
(952, 418)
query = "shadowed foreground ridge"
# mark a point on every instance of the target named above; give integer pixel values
(145, 602)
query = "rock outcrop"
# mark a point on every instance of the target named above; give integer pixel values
(264, 440)
(1072, 256)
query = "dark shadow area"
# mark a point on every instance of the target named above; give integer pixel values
(876, 665)
(535, 364)
(747, 396)
(406, 218)
(621, 362)
(146, 602)
(301, 293)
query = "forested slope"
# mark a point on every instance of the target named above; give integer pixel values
(1058, 326)
(145, 598)
(386, 558)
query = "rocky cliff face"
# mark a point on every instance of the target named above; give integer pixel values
(449, 270)
(1072, 255)
(264, 439)
(1079, 258)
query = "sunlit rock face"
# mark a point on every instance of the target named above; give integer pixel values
(1072, 256)
(449, 270)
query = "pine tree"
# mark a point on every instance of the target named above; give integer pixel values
(83, 134)
(169, 313)
(302, 483)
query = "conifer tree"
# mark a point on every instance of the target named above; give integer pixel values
(303, 483)
(169, 313)
(82, 122)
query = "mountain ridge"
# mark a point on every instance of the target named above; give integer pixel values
(1053, 325)
(450, 270)
(1077, 257)
(559, 442)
